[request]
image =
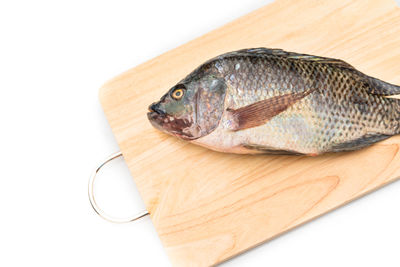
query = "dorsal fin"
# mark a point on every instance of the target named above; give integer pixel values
(325, 60)
(379, 87)
(261, 51)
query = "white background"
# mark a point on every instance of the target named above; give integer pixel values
(54, 55)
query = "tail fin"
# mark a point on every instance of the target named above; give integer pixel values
(396, 105)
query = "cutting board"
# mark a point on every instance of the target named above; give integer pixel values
(208, 206)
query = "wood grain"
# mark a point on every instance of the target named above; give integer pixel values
(208, 206)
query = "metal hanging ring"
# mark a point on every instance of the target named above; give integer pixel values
(96, 208)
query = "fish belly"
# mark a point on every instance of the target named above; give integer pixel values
(308, 127)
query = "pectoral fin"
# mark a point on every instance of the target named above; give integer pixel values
(262, 111)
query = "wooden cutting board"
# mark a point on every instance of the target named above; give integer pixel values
(209, 206)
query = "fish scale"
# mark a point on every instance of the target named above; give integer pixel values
(277, 101)
(335, 84)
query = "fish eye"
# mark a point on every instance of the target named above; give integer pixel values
(178, 93)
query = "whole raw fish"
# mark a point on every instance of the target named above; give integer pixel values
(272, 101)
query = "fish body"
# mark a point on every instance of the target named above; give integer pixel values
(272, 101)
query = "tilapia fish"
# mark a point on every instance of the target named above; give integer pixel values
(272, 101)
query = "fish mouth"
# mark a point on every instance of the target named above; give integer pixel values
(168, 125)
(162, 122)
(157, 120)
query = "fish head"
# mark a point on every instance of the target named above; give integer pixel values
(190, 109)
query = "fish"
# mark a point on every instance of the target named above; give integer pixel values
(263, 100)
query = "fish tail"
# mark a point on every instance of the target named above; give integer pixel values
(391, 113)
(392, 94)
(397, 115)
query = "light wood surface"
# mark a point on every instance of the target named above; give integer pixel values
(208, 206)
